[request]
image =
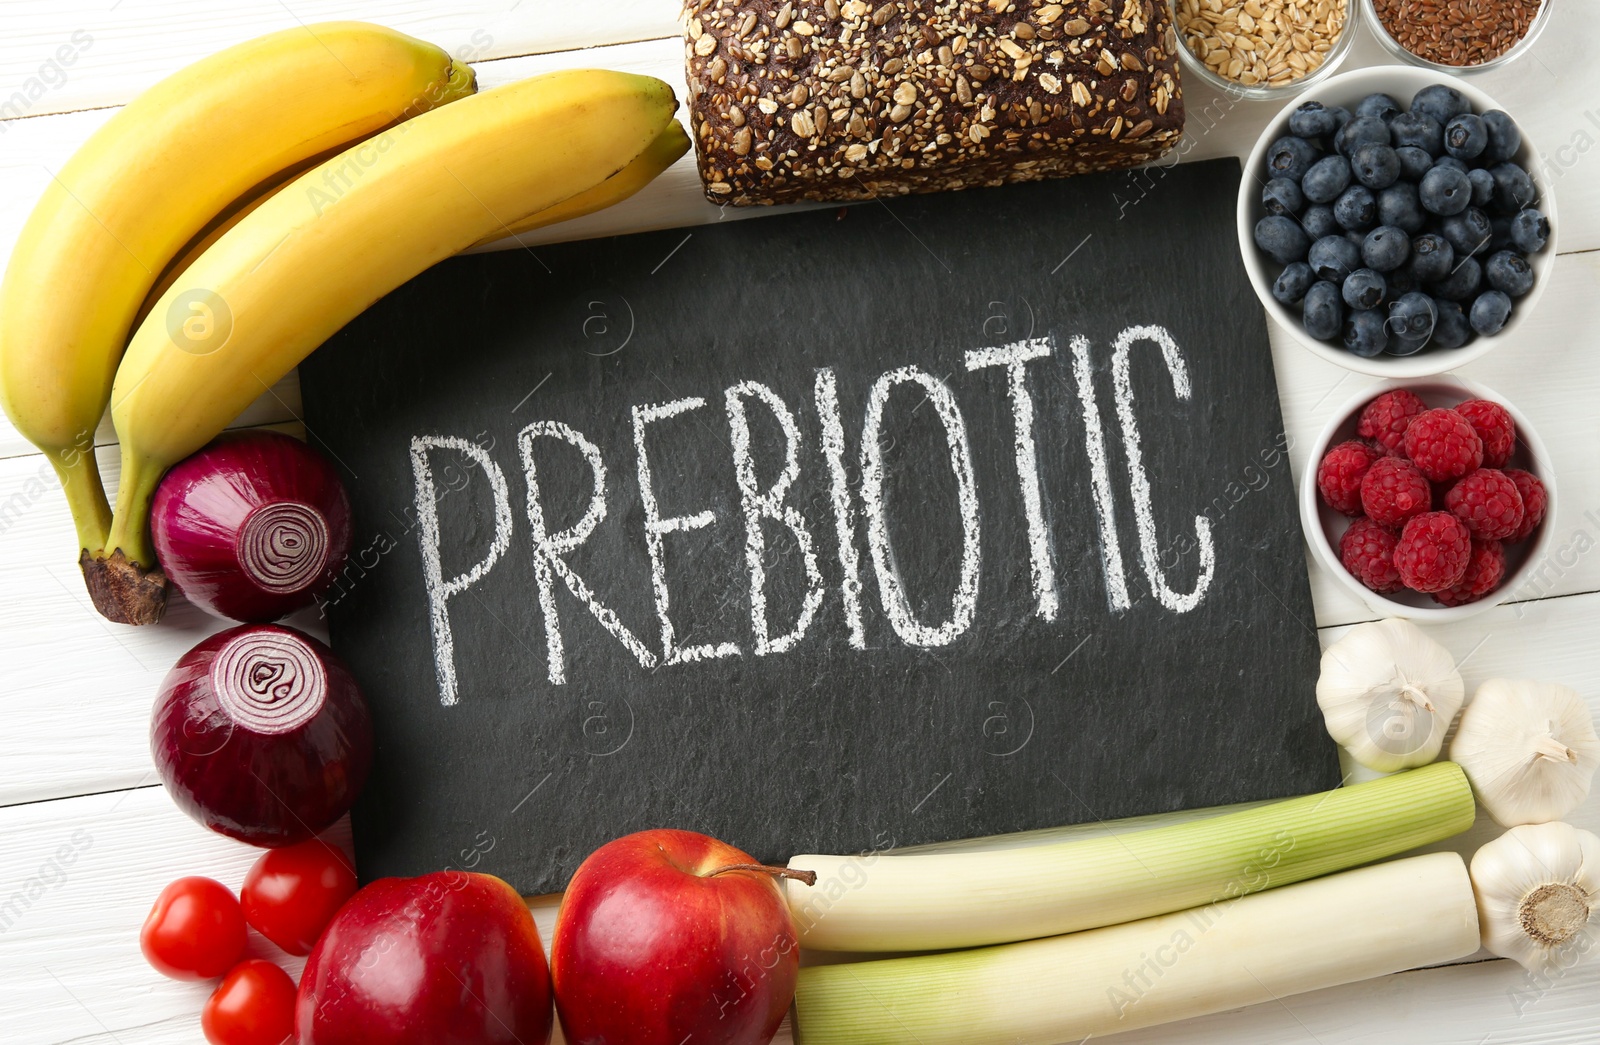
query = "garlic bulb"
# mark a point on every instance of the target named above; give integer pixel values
(1538, 890)
(1388, 693)
(1529, 750)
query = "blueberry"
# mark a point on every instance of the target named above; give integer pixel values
(1323, 311)
(1413, 316)
(1444, 191)
(1490, 312)
(1386, 248)
(1290, 157)
(1282, 238)
(1465, 136)
(1500, 233)
(1401, 345)
(1359, 131)
(1432, 257)
(1380, 105)
(1468, 232)
(1356, 209)
(1318, 221)
(1398, 205)
(1333, 258)
(1440, 101)
(1282, 196)
(1419, 130)
(1451, 329)
(1363, 289)
(1509, 272)
(1451, 162)
(1293, 282)
(1357, 238)
(1414, 162)
(1482, 186)
(1341, 116)
(1312, 120)
(1365, 333)
(1504, 137)
(1461, 283)
(1401, 282)
(1513, 187)
(1375, 166)
(1530, 230)
(1327, 178)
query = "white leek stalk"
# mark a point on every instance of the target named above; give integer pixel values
(1261, 948)
(927, 902)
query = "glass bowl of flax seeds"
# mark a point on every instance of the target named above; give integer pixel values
(1458, 36)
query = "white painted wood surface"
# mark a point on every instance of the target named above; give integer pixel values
(74, 765)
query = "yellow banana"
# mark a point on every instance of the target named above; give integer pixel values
(662, 153)
(148, 181)
(314, 255)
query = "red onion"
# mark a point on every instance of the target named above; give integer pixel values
(260, 733)
(252, 527)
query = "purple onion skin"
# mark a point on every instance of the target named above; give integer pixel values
(261, 734)
(253, 526)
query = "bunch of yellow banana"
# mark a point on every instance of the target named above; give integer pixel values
(237, 214)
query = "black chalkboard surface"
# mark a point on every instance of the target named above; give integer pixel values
(917, 520)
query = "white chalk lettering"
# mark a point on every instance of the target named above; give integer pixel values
(441, 591)
(891, 590)
(759, 505)
(549, 548)
(827, 397)
(1100, 477)
(1139, 482)
(656, 528)
(1013, 357)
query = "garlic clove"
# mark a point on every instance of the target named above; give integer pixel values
(1388, 693)
(1538, 892)
(1529, 750)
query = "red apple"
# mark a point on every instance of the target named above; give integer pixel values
(671, 936)
(445, 959)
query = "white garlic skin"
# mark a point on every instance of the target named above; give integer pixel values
(1388, 694)
(1499, 744)
(1513, 868)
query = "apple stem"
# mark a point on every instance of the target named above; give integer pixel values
(808, 877)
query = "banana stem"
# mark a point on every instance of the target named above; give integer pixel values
(79, 473)
(126, 584)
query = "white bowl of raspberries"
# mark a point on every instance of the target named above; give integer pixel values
(1428, 499)
(1396, 222)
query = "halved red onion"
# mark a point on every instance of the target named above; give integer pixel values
(261, 734)
(253, 526)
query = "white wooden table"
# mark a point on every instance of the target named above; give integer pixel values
(87, 837)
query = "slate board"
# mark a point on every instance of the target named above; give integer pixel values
(1001, 721)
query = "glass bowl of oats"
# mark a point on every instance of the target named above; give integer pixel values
(1263, 49)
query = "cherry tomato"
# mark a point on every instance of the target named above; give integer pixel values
(195, 931)
(254, 1006)
(291, 894)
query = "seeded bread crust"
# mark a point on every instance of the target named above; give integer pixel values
(849, 100)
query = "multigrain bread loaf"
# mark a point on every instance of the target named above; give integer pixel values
(851, 100)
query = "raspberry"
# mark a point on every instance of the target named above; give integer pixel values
(1534, 501)
(1485, 568)
(1384, 420)
(1367, 551)
(1488, 502)
(1443, 444)
(1340, 474)
(1433, 551)
(1393, 491)
(1494, 426)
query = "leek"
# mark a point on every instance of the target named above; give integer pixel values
(925, 902)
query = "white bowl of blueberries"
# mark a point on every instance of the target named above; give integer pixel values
(1395, 224)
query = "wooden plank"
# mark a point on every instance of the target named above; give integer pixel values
(114, 50)
(78, 875)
